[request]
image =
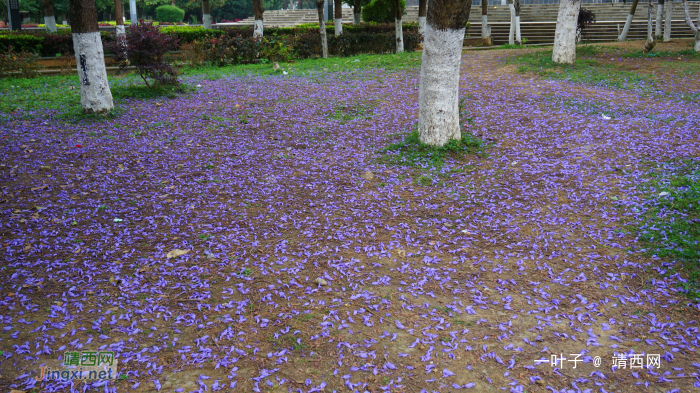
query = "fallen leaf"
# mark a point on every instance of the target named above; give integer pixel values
(176, 253)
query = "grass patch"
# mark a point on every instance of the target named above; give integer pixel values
(509, 46)
(584, 70)
(412, 152)
(671, 228)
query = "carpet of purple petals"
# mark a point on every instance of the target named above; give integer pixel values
(457, 283)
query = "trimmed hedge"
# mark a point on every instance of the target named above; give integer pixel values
(170, 13)
(20, 43)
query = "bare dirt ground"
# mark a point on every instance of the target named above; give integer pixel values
(301, 275)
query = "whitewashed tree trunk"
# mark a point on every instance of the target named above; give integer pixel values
(421, 25)
(628, 23)
(668, 8)
(659, 20)
(399, 35)
(132, 12)
(95, 96)
(121, 32)
(356, 18)
(693, 27)
(518, 37)
(338, 23)
(485, 28)
(206, 21)
(422, 12)
(322, 26)
(438, 114)
(564, 50)
(258, 29)
(511, 30)
(651, 42)
(50, 22)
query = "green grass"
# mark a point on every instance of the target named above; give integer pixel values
(412, 152)
(671, 228)
(585, 70)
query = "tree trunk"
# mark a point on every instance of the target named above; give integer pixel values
(565, 35)
(49, 18)
(628, 23)
(692, 26)
(668, 7)
(206, 16)
(119, 16)
(95, 96)
(438, 113)
(485, 28)
(258, 12)
(322, 25)
(133, 16)
(64, 21)
(398, 25)
(422, 9)
(518, 38)
(651, 42)
(338, 16)
(357, 12)
(659, 19)
(511, 30)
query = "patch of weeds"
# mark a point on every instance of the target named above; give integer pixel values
(509, 46)
(412, 152)
(671, 227)
(204, 236)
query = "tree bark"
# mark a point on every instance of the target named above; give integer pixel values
(357, 12)
(692, 26)
(659, 19)
(651, 42)
(668, 7)
(564, 50)
(518, 38)
(338, 16)
(119, 16)
(438, 113)
(95, 96)
(49, 18)
(628, 23)
(206, 16)
(422, 9)
(398, 26)
(322, 25)
(258, 12)
(485, 28)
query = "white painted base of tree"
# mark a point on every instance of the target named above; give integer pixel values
(95, 96)
(121, 31)
(438, 97)
(485, 28)
(50, 23)
(659, 22)
(668, 8)
(421, 25)
(399, 35)
(206, 21)
(338, 23)
(626, 29)
(518, 37)
(564, 50)
(356, 18)
(258, 28)
(511, 30)
(696, 47)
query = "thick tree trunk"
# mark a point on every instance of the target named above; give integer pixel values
(95, 96)
(119, 16)
(693, 27)
(322, 25)
(518, 37)
(626, 29)
(485, 28)
(64, 20)
(422, 9)
(511, 30)
(49, 18)
(338, 16)
(258, 13)
(659, 19)
(398, 26)
(565, 34)
(206, 16)
(438, 113)
(668, 7)
(651, 42)
(132, 12)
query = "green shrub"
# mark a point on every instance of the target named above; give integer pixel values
(21, 43)
(170, 13)
(188, 34)
(18, 64)
(381, 11)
